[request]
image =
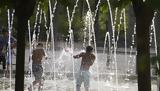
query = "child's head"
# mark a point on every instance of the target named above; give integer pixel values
(39, 45)
(89, 49)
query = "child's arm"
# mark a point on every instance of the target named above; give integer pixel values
(78, 56)
(45, 55)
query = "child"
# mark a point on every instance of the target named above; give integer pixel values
(2, 51)
(84, 74)
(6, 57)
(37, 68)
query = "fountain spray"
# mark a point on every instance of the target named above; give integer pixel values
(9, 53)
(114, 44)
(52, 42)
(71, 37)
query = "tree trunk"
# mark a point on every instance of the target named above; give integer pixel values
(23, 10)
(22, 27)
(144, 17)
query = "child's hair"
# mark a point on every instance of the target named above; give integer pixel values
(40, 44)
(89, 49)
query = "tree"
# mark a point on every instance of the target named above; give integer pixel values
(141, 9)
(143, 49)
(23, 10)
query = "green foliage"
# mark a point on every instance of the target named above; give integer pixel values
(121, 3)
(78, 25)
(155, 4)
(44, 5)
(62, 24)
(103, 17)
(3, 17)
(6, 3)
(77, 22)
(65, 3)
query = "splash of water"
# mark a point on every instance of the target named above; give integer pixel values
(75, 6)
(70, 20)
(88, 23)
(35, 25)
(97, 8)
(30, 46)
(105, 42)
(91, 20)
(107, 38)
(155, 45)
(92, 34)
(84, 37)
(9, 44)
(49, 29)
(45, 20)
(119, 27)
(54, 8)
(52, 44)
(30, 51)
(131, 61)
(125, 39)
(39, 24)
(154, 31)
(9, 53)
(115, 17)
(114, 44)
(71, 36)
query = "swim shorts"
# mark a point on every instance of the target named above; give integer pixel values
(37, 71)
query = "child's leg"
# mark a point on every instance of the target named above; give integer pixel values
(7, 73)
(79, 81)
(9, 64)
(35, 82)
(86, 89)
(32, 85)
(40, 88)
(86, 80)
(78, 88)
(3, 60)
(40, 78)
(41, 83)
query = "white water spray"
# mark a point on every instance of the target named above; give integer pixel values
(71, 37)
(9, 53)
(114, 44)
(52, 44)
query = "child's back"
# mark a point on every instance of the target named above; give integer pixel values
(87, 60)
(38, 55)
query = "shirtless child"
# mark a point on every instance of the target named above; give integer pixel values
(84, 74)
(37, 68)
